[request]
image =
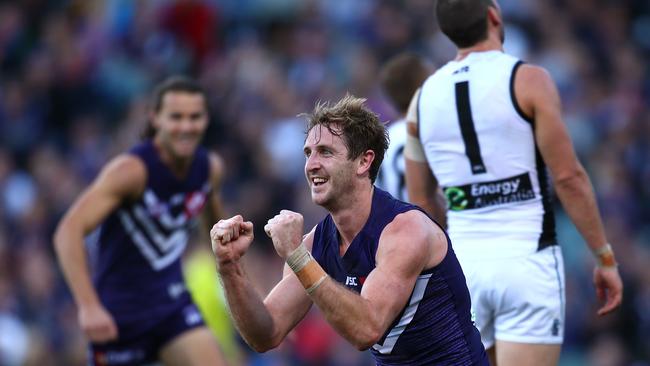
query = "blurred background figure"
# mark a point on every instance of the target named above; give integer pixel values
(133, 305)
(74, 81)
(399, 78)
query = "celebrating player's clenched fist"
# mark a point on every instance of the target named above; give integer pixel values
(231, 239)
(286, 230)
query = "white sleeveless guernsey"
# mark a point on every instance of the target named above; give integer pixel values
(482, 150)
(391, 173)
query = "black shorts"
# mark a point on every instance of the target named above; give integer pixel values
(144, 347)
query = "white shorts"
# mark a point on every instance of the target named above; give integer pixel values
(518, 299)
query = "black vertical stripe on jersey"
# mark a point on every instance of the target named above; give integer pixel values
(472, 148)
(513, 97)
(547, 237)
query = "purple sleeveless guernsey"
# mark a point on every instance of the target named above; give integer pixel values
(139, 276)
(435, 326)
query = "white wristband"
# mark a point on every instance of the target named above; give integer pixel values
(315, 286)
(413, 149)
(605, 256)
(299, 258)
(308, 271)
(602, 250)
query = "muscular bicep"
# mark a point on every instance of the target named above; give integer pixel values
(403, 253)
(121, 179)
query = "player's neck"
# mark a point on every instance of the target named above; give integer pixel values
(353, 215)
(490, 44)
(178, 166)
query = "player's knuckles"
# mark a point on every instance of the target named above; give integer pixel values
(226, 226)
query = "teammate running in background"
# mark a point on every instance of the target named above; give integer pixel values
(145, 202)
(487, 127)
(400, 77)
(383, 273)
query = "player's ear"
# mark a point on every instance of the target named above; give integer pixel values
(494, 16)
(365, 162)
(153, 119)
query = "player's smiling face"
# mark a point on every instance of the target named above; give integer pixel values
(180, 123)
(328, 170)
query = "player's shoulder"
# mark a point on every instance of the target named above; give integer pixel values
(411, 223)
(531, 74)
(216, 162)
(533, 84)
(126, 173)
(414, 235)
(126, 163)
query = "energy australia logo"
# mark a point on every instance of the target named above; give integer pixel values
(456, 198)
(485, 194)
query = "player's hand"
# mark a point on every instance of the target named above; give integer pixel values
(231, 239)
(286, 230)
(97, 323)
(609, 288)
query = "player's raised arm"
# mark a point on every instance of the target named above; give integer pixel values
(539, 98)
(262, 323)
(122, 178)
(214, 207)
(404, 251)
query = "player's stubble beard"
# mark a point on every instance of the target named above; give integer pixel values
(340, 186)
(168, 142)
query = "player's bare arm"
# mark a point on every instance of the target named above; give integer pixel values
(262, 323)
(421, 183)
(404, 251)
(122, 179)
(214, 207)
(539, 99)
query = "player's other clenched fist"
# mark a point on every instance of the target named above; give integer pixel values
(286, 230)
(230, 239)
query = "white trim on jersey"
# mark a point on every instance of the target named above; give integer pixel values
(407, 317)
(391, 174)
(174, 245)
(165, 219)
(164, 243)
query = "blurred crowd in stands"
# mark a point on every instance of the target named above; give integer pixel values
(75, 77)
